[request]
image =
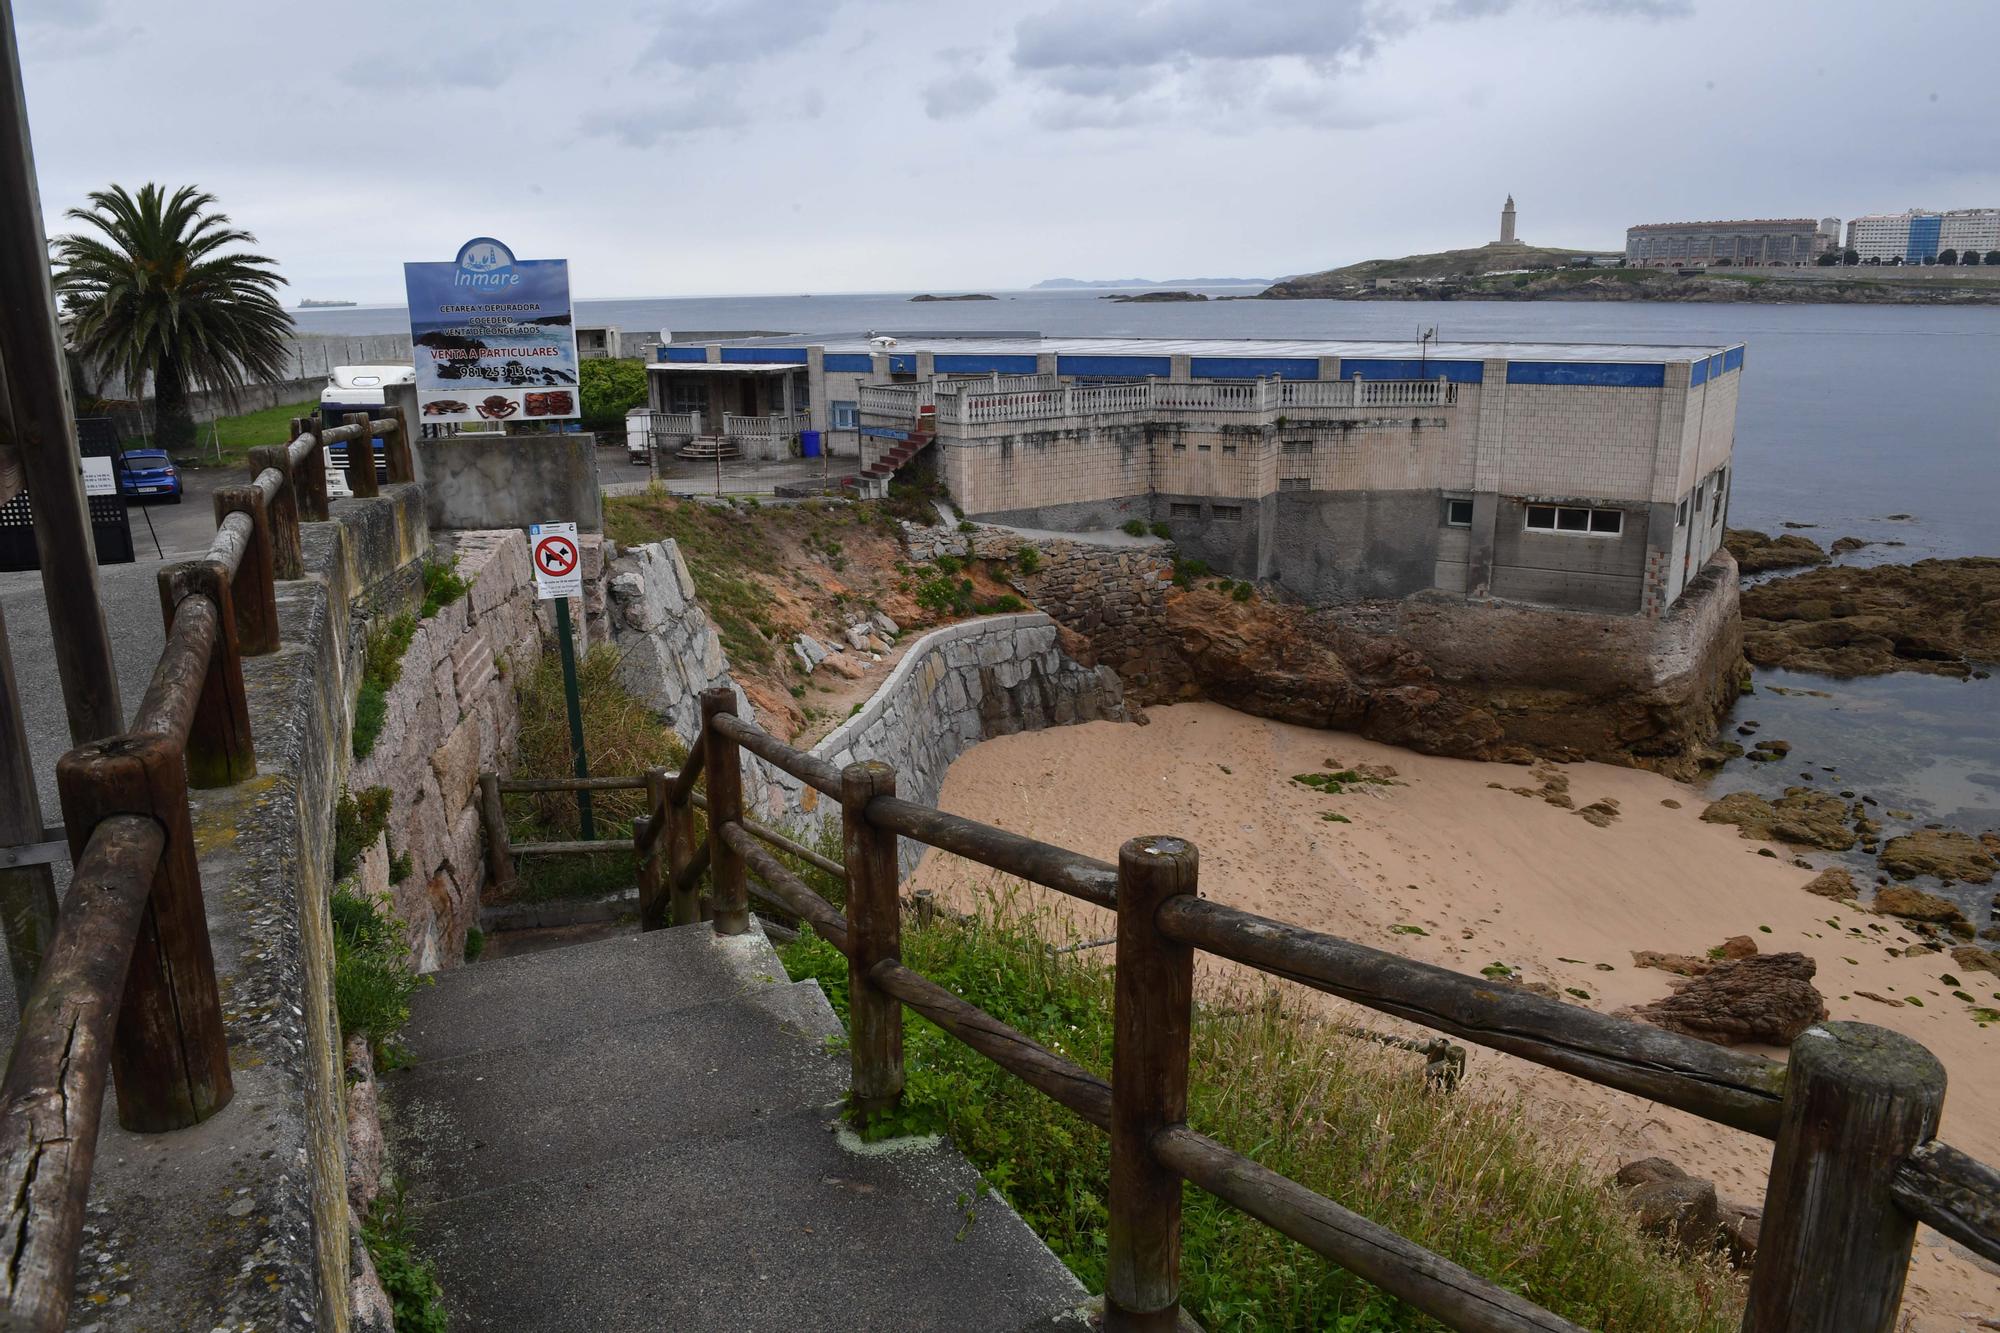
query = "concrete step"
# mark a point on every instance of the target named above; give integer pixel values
(641, 1133)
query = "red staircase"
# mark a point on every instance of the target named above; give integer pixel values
(892, 460)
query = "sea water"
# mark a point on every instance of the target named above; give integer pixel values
(1849, 417)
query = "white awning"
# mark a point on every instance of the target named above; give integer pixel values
(729, 367)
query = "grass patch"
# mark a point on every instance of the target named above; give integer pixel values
(372, 980)
(239, 434)
(442, 586)
(1456, 1173)
(411, 1283)
(621, 735)
(381, 668)
(358, 819)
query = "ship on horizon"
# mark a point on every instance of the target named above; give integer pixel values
(310, 304)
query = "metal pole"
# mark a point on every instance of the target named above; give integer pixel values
(44, 427)
(587, 829)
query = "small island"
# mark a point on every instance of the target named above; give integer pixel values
(1154, 296)
(969, 296)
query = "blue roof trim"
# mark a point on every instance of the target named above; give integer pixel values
(1698, 374)
(766, 355)
(1005, 363)
(902, 363)
(1458, 372)
(683, 354)
(856, 362)
(1611, 374)
(1253, 367)
(1733, 359)
(1121, 367)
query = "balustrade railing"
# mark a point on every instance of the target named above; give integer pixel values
(127, 989)
(765, 428)
(1044, 397)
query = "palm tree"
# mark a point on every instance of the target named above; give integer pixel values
(155, 294)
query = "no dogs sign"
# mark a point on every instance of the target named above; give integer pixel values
(552, 549)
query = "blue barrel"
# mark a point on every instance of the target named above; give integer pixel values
(809, 444)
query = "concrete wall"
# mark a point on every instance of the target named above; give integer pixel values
(510, 481)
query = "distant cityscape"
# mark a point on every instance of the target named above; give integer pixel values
(1914, 236)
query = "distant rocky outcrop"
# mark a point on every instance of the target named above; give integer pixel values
(1766, 998)
(1940, 617)
(1760, 553)
(969, 296)
(1158, 296)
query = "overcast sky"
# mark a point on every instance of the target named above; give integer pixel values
(686, 147)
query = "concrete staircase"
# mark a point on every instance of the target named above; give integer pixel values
(873, 480)
(639, 1134)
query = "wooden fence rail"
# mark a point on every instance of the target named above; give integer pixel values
(1853, 1112)
(127, 989)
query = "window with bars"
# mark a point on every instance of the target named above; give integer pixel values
(1576, 520)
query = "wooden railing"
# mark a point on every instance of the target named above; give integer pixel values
(127, 989)
(1853, 1112)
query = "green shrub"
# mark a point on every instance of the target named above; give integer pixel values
(442, 586)
(416, 1298)
(1029, 559)
(372, 980)
(1243, 592)
(475, 943)
(967, 525)
(1187, 571)
(1004, 604)
(1161, 530)
(1133, 527)
(381, 667)
(1457, 1173)
(400, 867)
(607, 390)
(370, 711)
(358, 819)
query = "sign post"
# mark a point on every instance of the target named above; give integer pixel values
(553, 551)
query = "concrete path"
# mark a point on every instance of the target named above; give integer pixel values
(640, 1134)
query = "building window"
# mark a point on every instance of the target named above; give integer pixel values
(1228, 513)
(802, 392)
(1298, 446)
(1700, 494)
(1228, 449)
(1180, 446)
(1716, 514)
(1201, 448)
(1181, 509)
(1575, 519)
(1458, 513)
(683, 396)
(1294, 483)
(845, 415)
(1681, 514)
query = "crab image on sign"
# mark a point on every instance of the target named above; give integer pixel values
(553, 551)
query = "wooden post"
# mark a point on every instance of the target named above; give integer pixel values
(169, 1057)
(1151, 1024)
(397, 448)
(653, 837)
(27, 892)
(252, 591)
(220, 748)
(1835, 1247)
(311, 474)
(683, 901)
(874, 933)
(287, 558)
(499, 849)
(361, 480)
(730, 892)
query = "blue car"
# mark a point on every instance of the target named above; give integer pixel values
(149, 473)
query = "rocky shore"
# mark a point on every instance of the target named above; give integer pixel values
(1935, 616)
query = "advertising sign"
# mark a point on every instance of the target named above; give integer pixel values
(492, 336)
(552, 550)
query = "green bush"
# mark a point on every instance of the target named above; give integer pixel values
(1161, 530)
(1187, 571)
(1243, 592)
(372, 980)
(416, 1298)
(442, 586)
(370, 711)
(607, 390)
(381, 667)
(358, 819)
(1005, 604)
(1029, 559)
(1459, 1174)
(475, 943)
(1133, 527)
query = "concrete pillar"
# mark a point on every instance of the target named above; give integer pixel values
(822, 411)
(1489, 437)
(1045, 363)
(1329, 367)
(1180, 367)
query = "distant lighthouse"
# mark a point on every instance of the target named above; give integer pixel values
(1507, 222)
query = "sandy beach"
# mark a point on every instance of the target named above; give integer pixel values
(1490, 876)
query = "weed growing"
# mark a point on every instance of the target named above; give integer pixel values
(1456, 1173)
(358, 819)
(372, 980)
(381, 668)
(416, 1298)
(442, 586)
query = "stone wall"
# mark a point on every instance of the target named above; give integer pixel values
(451, 716)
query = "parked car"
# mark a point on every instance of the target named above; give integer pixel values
(149, 472)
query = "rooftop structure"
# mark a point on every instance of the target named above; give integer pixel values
(1583, 476)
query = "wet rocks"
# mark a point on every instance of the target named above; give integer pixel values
(1975, 959)
(1933, 616)
(1916, 905)
(1765, 998)
(1837, 882)
(1764, 752)
(1945, 853)
(1600, 812)
(1802, 817)
(1760, 553)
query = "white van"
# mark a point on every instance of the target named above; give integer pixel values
(359, 389)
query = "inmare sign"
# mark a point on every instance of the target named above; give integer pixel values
(492, 336)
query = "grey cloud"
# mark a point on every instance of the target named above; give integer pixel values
(647, 126)
(1166, 31)
(465, 65)
(70, 29)
(697, 34)
(958, 95)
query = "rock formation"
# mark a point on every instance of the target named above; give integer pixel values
(1802, 816)
(1934, 616)
(1945, 853)
(1766, 998)
(1760, 553)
